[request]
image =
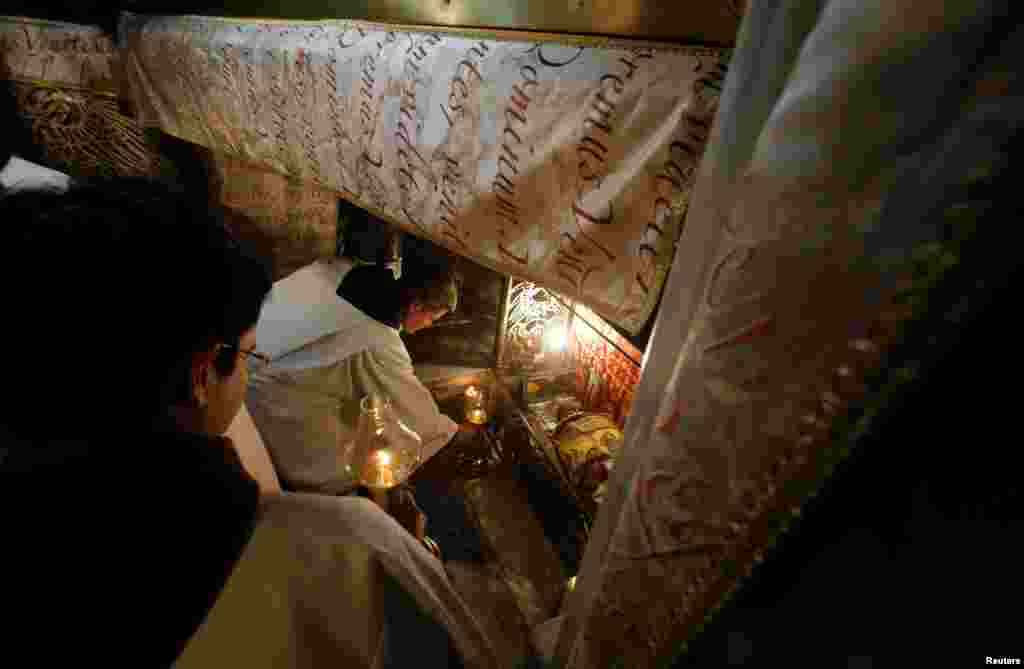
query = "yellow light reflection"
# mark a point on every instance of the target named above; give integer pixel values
(554, 339)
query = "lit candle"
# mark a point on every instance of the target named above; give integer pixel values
(381, 473)
(475, 412)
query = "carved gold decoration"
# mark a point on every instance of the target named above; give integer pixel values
(83, 132)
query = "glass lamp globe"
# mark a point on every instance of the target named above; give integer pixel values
(386, 451)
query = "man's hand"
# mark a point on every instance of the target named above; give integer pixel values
(465, 427)
(403, 508)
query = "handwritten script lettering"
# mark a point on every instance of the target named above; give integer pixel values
(554, 56)
(672, 181)
(592, 166)
(335, 113)
(410, 162)
(278, 120)
(451, 177)
(368, 115)
(304, 82)
(348, 39)
(504, 185)
(368, 71)
(553, 161)
(467, 74)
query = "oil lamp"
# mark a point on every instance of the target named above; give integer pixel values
(476, 412)
(386, 451)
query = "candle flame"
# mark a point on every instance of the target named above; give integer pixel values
(383, 457)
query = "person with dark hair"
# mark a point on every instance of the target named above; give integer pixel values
(133, 534)
(332, 330)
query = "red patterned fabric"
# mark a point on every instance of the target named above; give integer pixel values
(605, 378)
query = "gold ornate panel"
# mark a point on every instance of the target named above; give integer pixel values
(84, 132)
(64, 78)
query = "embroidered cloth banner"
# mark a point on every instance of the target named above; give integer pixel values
(566, 164)
(57, 53)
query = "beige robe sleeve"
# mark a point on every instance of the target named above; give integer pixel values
(252, 451)
(336, 582)
(298, 414)
(308, 418)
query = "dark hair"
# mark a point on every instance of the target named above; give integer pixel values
(434, 287)
(115, 284)
(373, 290)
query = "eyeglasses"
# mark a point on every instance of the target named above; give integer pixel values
(262, 358)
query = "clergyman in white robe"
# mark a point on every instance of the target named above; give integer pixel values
(326, 356)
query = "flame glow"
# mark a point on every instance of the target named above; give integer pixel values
(554, 339)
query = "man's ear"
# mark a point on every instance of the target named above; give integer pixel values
(201, 376)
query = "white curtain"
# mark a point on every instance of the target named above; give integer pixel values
(780, 300)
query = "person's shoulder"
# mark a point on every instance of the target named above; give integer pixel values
(281, 506)
(388, 347)
(17, 173)
(373, 290)
(319, 518)
(336, 268)
(330, 271)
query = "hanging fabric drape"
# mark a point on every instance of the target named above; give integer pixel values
(813, 209)
(566, 163)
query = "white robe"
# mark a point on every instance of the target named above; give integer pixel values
(335, 582)
(20, 173)
(326, 356)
